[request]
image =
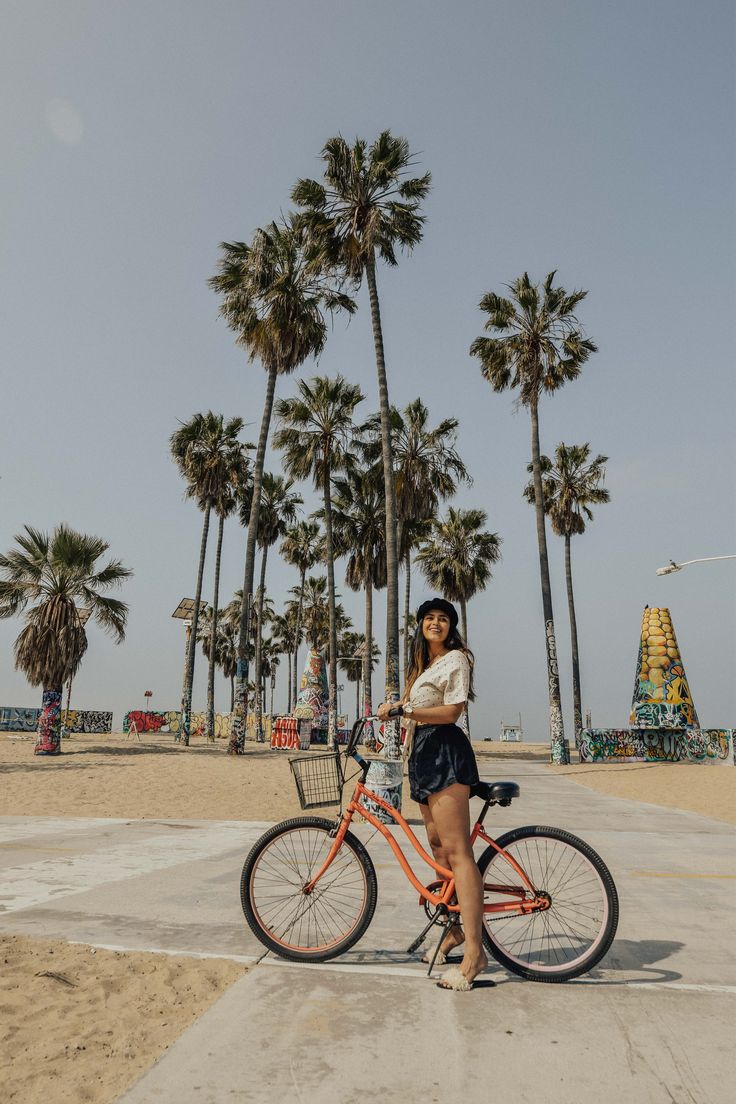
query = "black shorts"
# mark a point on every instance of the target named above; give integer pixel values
(440, 756)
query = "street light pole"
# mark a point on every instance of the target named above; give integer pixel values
(672, 566)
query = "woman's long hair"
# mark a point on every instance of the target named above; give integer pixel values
(420, 657)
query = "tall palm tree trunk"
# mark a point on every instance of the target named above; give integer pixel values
(186, 700)
(297, 633)
(237, 732)
(232, 692)
(576, 692)
(407, 607)
(288, 684)
(392, 730)
(258, 677)
(367, 665)
(332, 655)
(558, 747)
(464, 627)
(210, 726)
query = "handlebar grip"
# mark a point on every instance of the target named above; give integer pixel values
(397, 711)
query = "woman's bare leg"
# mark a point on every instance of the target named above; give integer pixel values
(450, 813)
(455, 935)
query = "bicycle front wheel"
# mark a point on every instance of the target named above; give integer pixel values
(570, 936)
(315, 926)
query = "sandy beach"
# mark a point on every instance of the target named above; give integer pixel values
(81, 1025)
(154, 777)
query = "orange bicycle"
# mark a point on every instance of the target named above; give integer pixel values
(309, 889)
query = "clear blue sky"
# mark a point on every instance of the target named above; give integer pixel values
(589, 137)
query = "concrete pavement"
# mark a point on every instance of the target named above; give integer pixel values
(653, 1023)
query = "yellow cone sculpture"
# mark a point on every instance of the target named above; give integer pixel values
(662, 696)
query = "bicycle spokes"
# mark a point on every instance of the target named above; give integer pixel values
(561, 925)
(299, 919)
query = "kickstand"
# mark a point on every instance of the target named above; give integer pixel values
(421, 937)
(447, 928)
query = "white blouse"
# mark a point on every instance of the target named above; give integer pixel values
(445, 682)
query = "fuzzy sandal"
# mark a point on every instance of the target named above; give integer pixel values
(442, 959)
(456, 980)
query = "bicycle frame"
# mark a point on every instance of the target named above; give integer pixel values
(526, 899)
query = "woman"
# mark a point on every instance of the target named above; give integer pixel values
(442, 769)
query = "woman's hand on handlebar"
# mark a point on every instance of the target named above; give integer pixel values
(387, 710)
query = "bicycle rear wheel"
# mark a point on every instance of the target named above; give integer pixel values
(307, 927)
(574, 933)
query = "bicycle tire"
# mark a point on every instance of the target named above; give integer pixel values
(574, 934)
(329, 921)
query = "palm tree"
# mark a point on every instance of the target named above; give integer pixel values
(571, 486)
(315, 428)
(428, 469)
(301, 548)
(316, 613)
(368, 206)
(537, 347)
(457, 559)
(275, 303)
(283, 637)
(359, 532)
(353, 658)
(211, 460)
(279, 507)
(56, 574)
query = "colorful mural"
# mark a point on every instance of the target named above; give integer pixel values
(153, 720)
(662, 696)
(78, 720)
(646, 745)
(85, 720)
(18, 720)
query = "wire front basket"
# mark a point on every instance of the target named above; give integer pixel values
(319, 779)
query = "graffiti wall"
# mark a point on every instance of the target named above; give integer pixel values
(78, 720)
(149, 720)
(645, 745)
(86, 720)
(662, 696)
(18, 720)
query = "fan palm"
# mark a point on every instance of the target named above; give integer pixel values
(359, 532)
(428, 469)
(275, 303)
(571, 486)
(316, 613)
(283, 637)
(354, 657)
(301, 548)
(367, 207)
(537, 346)
(279, 507)
(314, 431)
(211, 460)
(54, 574)
(458, 557)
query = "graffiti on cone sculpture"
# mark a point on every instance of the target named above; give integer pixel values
(662, 696)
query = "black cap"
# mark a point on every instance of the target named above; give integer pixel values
(438, 604)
